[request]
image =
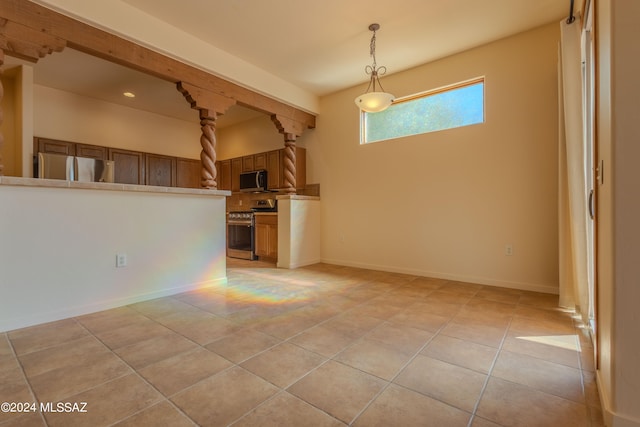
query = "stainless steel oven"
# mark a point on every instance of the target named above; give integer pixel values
(240, 235)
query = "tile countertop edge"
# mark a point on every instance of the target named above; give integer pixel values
(59, 183)
(296, 197)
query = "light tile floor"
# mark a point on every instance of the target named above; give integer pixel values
(317, 346)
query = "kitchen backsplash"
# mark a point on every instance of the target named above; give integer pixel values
(242, 201)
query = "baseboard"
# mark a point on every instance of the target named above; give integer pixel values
(68, 312)
(612, 419)
(299, 264)
(548, 289)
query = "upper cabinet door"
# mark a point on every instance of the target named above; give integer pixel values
(223, 177)
(274, 171)
(91, 151)
(188, 173)
(236, 170)
(160, 170)
(247, 164)
(53, 146)
(260, 161)
(129, 166)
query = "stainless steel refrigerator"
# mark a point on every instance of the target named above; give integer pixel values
(72, 168)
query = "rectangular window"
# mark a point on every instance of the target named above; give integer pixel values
(446, 108)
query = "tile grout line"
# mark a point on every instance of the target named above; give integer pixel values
(134, 371)
(327, 360)
(490, 370)
(24, 376)
(417, 353)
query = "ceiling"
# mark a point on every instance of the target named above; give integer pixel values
(321, 47)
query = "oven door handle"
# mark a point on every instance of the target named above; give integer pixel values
(248, 224)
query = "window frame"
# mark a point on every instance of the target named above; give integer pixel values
(425, 94)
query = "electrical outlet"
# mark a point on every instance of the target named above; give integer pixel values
(121, 260)
(508, 250)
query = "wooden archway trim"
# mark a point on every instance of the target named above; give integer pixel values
(91, 40)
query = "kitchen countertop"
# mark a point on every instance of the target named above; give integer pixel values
(296, 197)
(59, 183)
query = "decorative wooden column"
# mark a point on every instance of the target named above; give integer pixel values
(210, 105)
(289, 163)
(208, 154)
(291, 128)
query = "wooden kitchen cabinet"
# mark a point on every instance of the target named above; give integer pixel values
(271, 161)
(91, 151)
(53, 146)
(223, 177)
(160, 170)
(266, 237)
(129, 166)
(236, 170)
(135, 167)
(188, 173)
(248, 164)
(274, 170)
(259, 161)
(254, 162)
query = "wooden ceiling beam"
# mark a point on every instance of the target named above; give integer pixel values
(91, 40)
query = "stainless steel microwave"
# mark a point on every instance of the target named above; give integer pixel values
(253, 181)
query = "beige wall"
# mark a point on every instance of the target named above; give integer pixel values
(618, 211)
(70, 117)
(252, 136)
(445, 204)
(248, 137)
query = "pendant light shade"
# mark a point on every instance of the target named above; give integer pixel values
(373, 102)
(375, 99)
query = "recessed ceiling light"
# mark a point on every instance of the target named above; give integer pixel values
(129, 94)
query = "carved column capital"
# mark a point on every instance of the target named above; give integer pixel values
(288, 125)
(203, 99)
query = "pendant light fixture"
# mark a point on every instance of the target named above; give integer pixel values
(375, 99)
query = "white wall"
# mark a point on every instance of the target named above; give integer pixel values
(618, 201)
(299, 231)
(445, 204)
(58, 248)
